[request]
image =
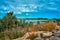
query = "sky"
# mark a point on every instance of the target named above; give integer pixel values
(31, 8)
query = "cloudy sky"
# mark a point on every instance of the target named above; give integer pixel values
(31, 8)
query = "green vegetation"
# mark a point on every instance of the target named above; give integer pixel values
(12, 34)
(12, 27)
(33, 36)
(1, 35)
(8, 21)
(8, 26)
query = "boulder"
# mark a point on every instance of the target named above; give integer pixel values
(46, 34)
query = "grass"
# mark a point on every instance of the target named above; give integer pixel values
(32, 37)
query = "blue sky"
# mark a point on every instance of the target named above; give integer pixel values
(31, 8)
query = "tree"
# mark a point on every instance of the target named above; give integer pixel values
(9, 20)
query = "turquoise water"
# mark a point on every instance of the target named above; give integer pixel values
(35, 20)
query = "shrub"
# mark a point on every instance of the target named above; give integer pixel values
(16, 35)
(32, 37)
(39, 28)
(1, 35)
(49, 26)
(58, 23)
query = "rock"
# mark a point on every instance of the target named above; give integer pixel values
(54, 38)
(47, 34)
(38, 38)
(57, 33)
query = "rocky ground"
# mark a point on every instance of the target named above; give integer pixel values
(53, 35)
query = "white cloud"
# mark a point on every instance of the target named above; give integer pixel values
(19, 12)
(27, 14)
(11, 6)
(25, 8)
(18, 6)
(22, 8)
(52, 8)
(3, 7)
(28, 10)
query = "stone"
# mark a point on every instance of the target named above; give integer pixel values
(47, 34)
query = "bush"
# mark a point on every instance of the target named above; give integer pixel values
(39, 28)
(1, 35)
(16, 35)
(58, 23)
(32, 37)
(49, 26)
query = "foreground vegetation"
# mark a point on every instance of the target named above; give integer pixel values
(11, 28)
